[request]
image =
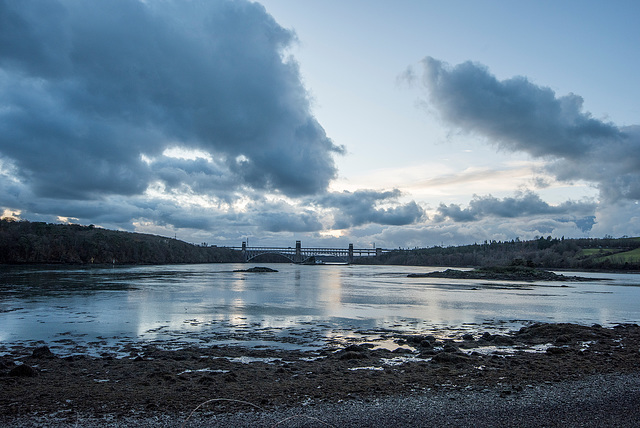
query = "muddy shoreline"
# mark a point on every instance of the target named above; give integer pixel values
(153, 382)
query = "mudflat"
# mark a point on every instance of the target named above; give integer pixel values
(219, 383)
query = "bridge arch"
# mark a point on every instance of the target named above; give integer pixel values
(250, 255)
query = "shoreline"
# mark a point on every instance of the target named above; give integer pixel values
(152, 383)
(594, 401)
(117, 264)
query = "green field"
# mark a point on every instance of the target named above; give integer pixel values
(588, 252)
(632, 256)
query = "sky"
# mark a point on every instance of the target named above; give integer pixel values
(410, 123)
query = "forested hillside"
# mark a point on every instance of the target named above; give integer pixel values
(586, 253)
(27, 242)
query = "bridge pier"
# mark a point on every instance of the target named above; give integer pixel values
(298, 256)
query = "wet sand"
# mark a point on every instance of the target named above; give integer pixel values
(585, 373)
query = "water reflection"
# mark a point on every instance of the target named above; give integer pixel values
(211, 302)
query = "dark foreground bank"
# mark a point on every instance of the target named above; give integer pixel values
(595, 401)
(541, 375)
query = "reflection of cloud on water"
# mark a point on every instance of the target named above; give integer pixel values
(299, 304)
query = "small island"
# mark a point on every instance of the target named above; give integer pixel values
(501, 273)
(257, 269)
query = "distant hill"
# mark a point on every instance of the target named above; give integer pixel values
(34, 242)
(549, 253)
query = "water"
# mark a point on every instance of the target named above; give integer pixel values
(296, 307)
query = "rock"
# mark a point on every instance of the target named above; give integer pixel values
(560, 333)
(426, 341)
(353, 352)
(257, 269)
(352, 355)
(450, 347)
(5, 364)
(449, 358)
(554, 350)
(402, 351)
(487, 336)
(23, 370)
(355, 348)
(499, 339)
(468, 337)
(506, 273)
(42, 352)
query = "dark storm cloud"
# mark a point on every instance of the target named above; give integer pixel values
(614, 165)
(88, 88)
(362, 207)
(198, 175)
(522, 205)
(514, 113)
(280, 216)
(289, 222)
(518, 115)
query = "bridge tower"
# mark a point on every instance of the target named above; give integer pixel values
(298, 256)
(244, 251)
(350, 253)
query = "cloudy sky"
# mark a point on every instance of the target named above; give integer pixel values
(405, 123)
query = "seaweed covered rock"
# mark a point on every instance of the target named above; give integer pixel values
(560, 333)
(501, 273)
(257, 269)
(42, 352)
(23, 370)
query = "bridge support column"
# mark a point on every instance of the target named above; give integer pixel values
(298, 256)
(350, 253)
(378, 252)
(244, 251)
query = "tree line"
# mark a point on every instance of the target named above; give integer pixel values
(548, 253)
(38, 242)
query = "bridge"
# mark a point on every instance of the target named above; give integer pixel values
(302, 255)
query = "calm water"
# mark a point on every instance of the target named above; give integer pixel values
(299, 304)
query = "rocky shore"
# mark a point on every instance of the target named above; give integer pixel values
(226, 382)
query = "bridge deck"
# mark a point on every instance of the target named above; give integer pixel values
(298, 254)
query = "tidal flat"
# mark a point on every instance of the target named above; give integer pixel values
(39, 385)
(202, 345)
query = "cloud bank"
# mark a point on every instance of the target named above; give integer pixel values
(94, 93)
(362, 207)
(520, 116)
(169, 114)
(523, 204)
